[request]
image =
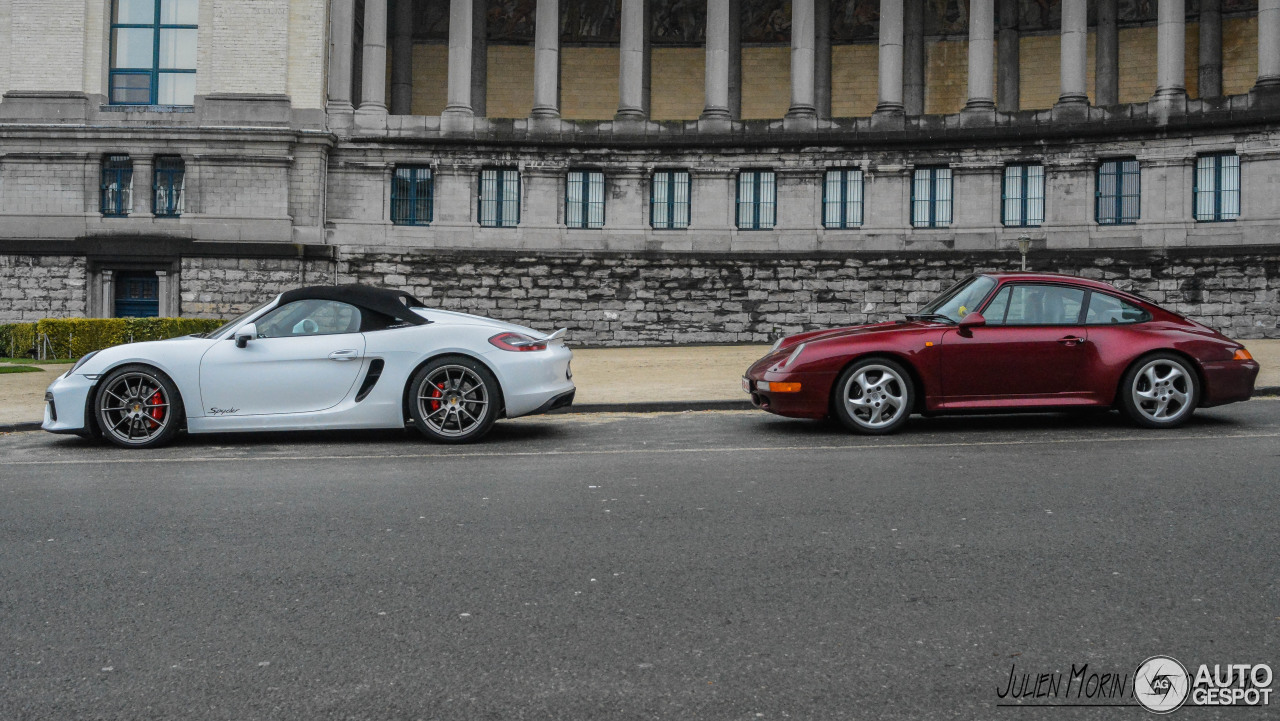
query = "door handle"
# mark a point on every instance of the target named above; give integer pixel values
(344, 355)
(1071, 340)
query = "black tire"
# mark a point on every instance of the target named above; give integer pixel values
(1152, 395)
(147, 414)
(858, 409)
(454, 399)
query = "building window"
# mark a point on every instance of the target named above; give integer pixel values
(1119, 192)
(1023, 193)
(117, 185)
(842, 198)
(584, 199)
(153, 52)
(499, 197)
(669, 200)
(757, 200)
(1217, 187)
(931, 197)
(169, 186)
(412, 195)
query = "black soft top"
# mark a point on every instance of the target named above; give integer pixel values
(391, 303)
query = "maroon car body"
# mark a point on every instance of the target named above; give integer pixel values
(1077, 361)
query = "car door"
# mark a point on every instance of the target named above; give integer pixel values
(306, 358)
(1032, 347)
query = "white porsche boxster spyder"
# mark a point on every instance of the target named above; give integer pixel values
(324, 357)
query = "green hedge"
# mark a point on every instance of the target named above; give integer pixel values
(73, 337)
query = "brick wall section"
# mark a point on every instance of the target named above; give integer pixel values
(45, 42)
(32, 288)
(510, 81)
(306, 184)
(639, 299)
(766, 82)
(677, 78)
(254, 40)
(49, 186)
(1239, 54)
(588, 83)
(854, 84)
(430, 79)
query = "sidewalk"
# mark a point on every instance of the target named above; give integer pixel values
(614, 379)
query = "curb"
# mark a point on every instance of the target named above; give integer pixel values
(1269, 391)
(19, 427)
(656, 407)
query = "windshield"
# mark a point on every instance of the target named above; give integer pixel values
(961, 299)
(232, 323)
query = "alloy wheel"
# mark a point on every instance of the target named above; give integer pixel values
(134, 408)
(453, 401)
(1162, 390)
(875, 396)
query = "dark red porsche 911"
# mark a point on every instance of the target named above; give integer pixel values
(1007, 341)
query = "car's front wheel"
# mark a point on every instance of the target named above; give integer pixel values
(138, 407)
(1160, 391)
(875, 396)
(454, 399)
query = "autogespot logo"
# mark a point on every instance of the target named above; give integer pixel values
(1161, 684)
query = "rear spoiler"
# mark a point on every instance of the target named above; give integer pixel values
(558, 335)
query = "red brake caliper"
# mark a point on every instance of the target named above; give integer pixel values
(437, 392)
(156, 413)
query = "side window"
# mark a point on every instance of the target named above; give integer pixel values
(309, 317)
(1042, 305)
(1109, 310)
(998, 307)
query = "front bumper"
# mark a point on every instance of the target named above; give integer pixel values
(811, 401)
(1228, 381)
(66, 400)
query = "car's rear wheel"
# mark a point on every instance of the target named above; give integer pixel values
(454, 399)
(1160, 391)
(874, 396)
(137, 406)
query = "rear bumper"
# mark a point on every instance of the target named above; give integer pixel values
(811, 401)
(564, 400)
(1228, 382)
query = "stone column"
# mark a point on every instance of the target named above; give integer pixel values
(162, 295)
(373, 81)
(802, 60)
(546, 60)
(342, 23)
(1008, 52)
(1171, 60)
(1209, 83)
(402, 58)
(724, 61)
(1268, 44)
(913, 56)
(890, 92)
(108, 306)
(1107, 54)
(1074, 54)
(479, 58)
(633, 62)
(982, 29)
(822, 58)
(460, 38)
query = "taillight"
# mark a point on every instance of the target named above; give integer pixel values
(1243, 354)
(517, 342)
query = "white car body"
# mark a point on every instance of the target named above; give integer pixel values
(313, 382)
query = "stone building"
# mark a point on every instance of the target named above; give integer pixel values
(638, 170)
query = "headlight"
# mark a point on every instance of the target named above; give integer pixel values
(82, 361)
(794, 355)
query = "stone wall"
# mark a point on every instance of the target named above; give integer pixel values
(226, 287)
(33, 287)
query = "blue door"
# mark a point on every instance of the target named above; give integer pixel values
(137, 294)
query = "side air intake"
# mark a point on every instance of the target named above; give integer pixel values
(375, 370)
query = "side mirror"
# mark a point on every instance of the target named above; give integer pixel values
(973, 320)
(246, 333)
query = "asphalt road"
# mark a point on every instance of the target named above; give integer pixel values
(661, 566)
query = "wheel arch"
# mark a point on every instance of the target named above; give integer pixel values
(917, 382)
(408, 381)
(91, 398)
(1187, 357)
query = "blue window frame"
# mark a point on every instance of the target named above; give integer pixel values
(1022, 192)
(499, 197)
(1216, 190)
(842, 198)
(757, 199)
(412, 195)
(1119, 193)
(931, 197)
(116, 186)
(168, 186)
(669, 200)
(584, 199)
(153, 52)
